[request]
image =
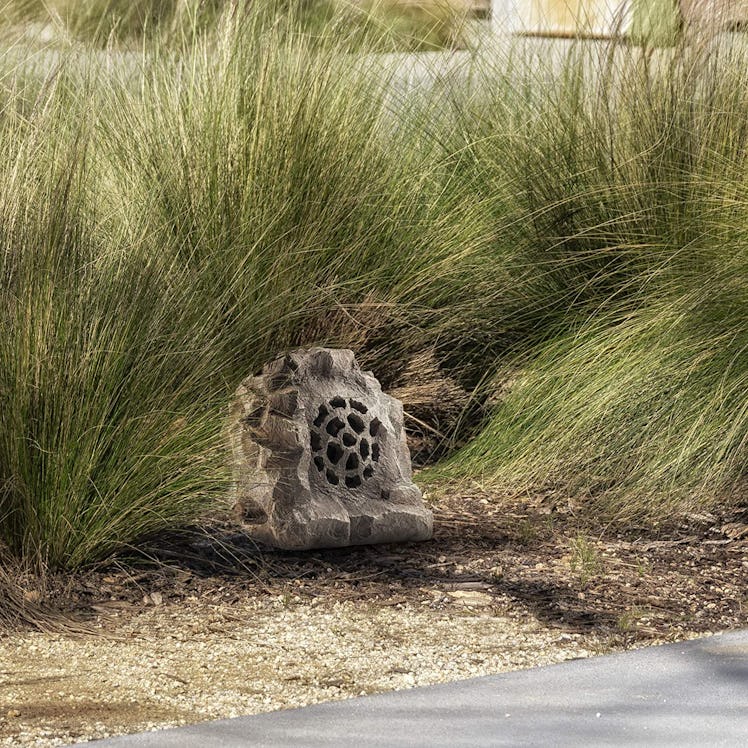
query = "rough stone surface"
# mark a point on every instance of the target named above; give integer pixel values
(320, 458)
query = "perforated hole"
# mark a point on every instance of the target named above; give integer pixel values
(356, 423)
(343, 439)
(352, 462)
(334, 426)
(323, 413)
(334, 452)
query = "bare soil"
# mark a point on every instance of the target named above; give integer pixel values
(204, 624)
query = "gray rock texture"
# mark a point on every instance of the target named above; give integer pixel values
(320, 458)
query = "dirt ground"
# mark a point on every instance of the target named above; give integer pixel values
(207, 625)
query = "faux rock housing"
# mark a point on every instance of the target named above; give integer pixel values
(320, 458)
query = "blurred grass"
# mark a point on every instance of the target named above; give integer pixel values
(385, 25)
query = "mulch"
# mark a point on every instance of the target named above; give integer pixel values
(522, 555)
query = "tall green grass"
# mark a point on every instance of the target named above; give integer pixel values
(166, 233)
(108, 375)
(565, 240)
(103, 21)
(626, 392)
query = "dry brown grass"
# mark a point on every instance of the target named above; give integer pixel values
(20, 596)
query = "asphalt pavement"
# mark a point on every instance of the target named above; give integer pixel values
(691, 693)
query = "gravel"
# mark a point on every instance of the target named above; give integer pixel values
(189, 662)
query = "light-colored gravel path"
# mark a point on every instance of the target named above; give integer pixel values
(177, 664)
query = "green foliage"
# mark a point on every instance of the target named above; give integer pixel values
(412, 24)
(630, 392)
(585, 560)
(657, 22)
(567, 241)
(125, 20)
(108, 377)
(164, 236)
(105, 21)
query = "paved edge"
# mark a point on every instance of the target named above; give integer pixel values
(687, 693)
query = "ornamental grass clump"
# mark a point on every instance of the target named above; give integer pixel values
(564, 243)
(384, 25)
(101, 22)
(169, 228)
(277, 174)
(108, 372)
(630, 397)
